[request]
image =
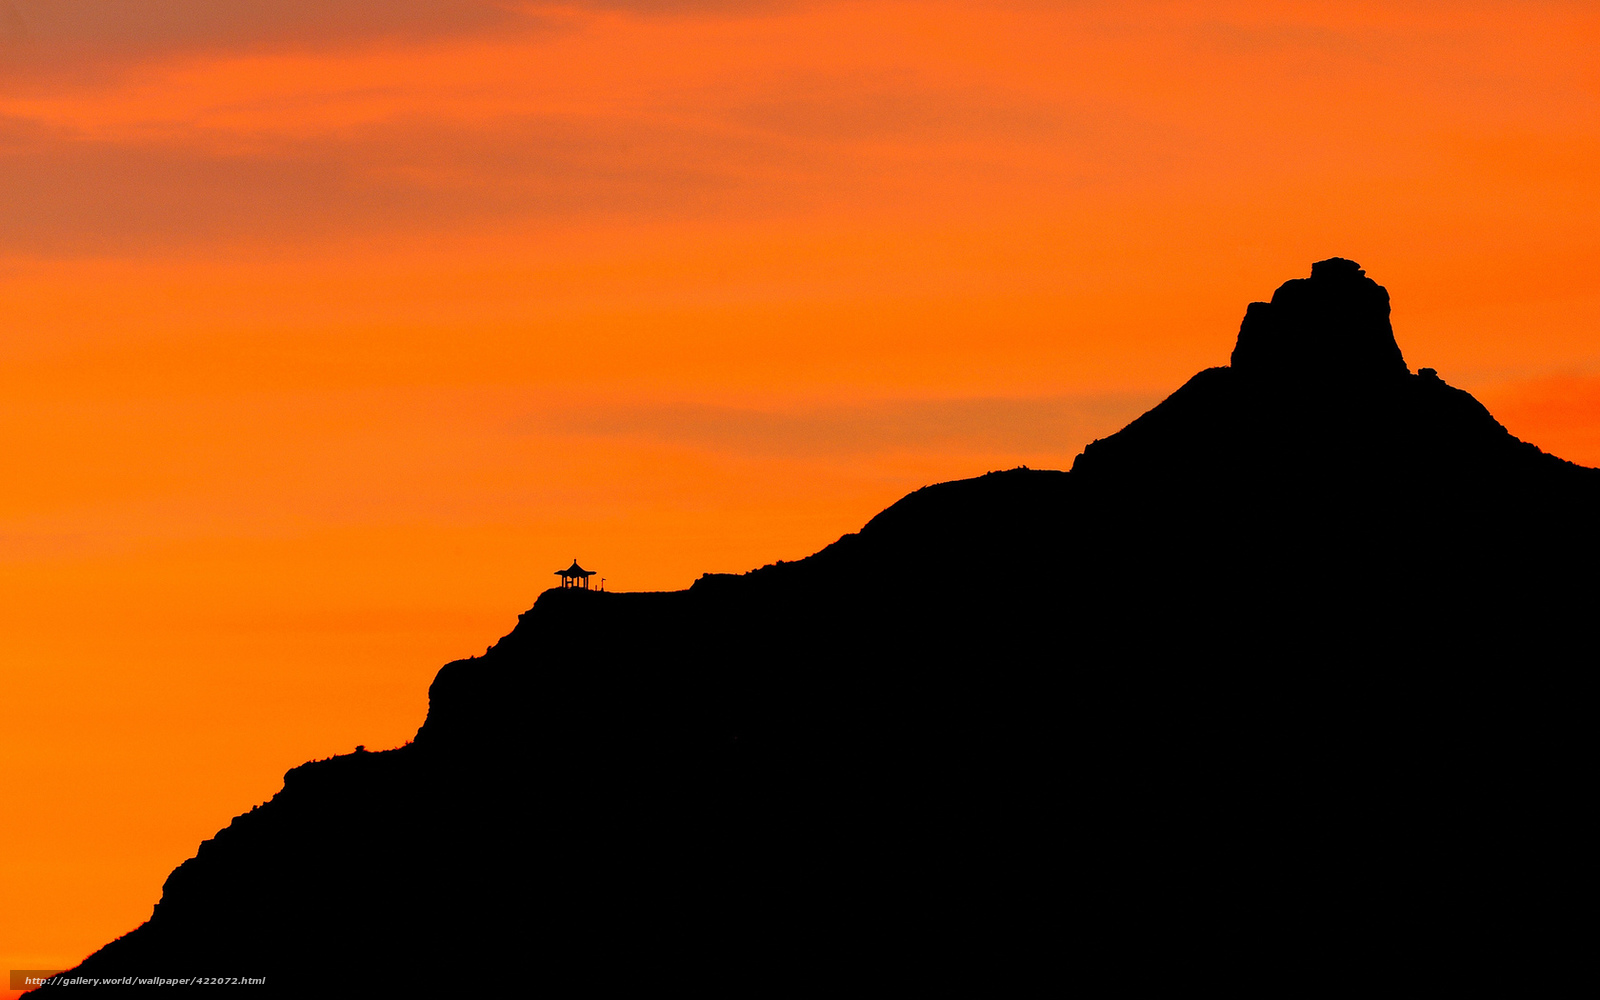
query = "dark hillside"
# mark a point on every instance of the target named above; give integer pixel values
(1297, 662)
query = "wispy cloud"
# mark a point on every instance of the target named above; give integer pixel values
(1002, 428)
(142, 31)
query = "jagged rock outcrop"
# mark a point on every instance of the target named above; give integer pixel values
(1290, 660)
(1333, 326)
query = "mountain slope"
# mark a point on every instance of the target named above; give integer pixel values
(1293, 657)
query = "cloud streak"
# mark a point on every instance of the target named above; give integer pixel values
(1002, 428)
(420, 118)
(144, 31)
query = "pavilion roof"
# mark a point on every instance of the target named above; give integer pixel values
(574, 570)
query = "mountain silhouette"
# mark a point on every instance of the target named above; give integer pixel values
(1294, 668)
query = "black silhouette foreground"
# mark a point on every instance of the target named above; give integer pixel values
(1294, 670)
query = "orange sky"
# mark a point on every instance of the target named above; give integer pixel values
(325, 339)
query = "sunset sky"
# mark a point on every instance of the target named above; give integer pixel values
(328, 330)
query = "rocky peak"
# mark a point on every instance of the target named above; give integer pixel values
(1332, 325)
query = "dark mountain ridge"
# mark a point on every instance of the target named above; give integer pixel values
(1296, 661)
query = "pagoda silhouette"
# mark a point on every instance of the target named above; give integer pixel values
(575, 576)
